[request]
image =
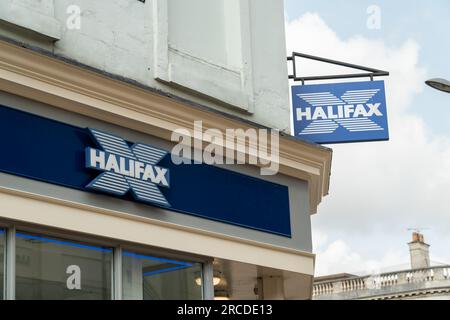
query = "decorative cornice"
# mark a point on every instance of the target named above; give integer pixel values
(41, 21)
(412, 294)
(67, 85)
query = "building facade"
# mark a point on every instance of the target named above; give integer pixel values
(94, 205)
(421, 282)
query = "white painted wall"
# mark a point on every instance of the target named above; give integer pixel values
(32, 15)
(226, 54)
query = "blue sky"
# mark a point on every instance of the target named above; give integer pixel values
(426, 22)
(409, 176)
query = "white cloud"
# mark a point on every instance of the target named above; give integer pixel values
(338, 257)
(378, 189)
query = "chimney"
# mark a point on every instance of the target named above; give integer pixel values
(418, 250)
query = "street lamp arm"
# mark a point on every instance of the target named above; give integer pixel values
(439, 84)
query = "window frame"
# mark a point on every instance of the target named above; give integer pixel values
(232, 87)
(5, 230)
(170, 256)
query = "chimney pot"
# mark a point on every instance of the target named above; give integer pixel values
(418, 250)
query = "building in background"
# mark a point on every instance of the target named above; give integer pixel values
(421, 281)
(110, 80)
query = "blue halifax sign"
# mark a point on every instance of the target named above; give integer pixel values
(103, 163)
(127, 168)
(340, 112)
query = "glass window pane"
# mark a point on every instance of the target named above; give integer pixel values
(154, 278)
(50, 268)
(2, 261)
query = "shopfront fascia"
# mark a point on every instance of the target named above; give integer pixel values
(61, 219)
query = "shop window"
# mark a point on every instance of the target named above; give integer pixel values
(154, 278)
(50, 268)
(2, 263)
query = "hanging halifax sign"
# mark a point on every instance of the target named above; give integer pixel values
(340, 112)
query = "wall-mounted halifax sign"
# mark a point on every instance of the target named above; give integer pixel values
(141, 175)
(127, 168)
(340, 112)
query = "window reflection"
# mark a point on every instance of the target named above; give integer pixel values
(155, 278)
(2, 262)
(51, 268)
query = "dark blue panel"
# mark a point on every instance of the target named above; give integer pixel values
(340, 112)
(47, 150)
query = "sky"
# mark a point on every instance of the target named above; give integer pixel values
(381, 189)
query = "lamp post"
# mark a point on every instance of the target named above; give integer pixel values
(439, 84)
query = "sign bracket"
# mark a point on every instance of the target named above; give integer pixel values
(370, 72)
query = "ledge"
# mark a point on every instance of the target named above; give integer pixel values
(67, 85)
(44, 25)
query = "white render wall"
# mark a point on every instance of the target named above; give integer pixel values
(225, 54)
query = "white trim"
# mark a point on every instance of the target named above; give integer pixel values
(160, 40)
(117, 274)
(208, 280)
(247, 59)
